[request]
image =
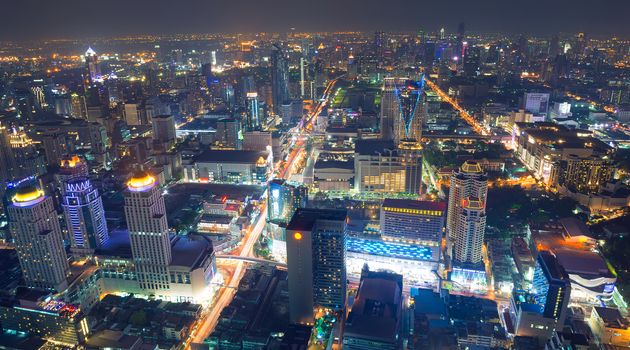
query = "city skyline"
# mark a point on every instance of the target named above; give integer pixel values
(248, 16)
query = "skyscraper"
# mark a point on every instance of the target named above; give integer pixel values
(82, 207)
(316, 257)
(466, 222)
(92, 65)
(164, 133)
(252, 118)
(34, 226)
(279, 78)
(551, 287)
(468, 182)
(284, 199)
(148, 232)
(469, 232)
(7, 159)
(401, 112)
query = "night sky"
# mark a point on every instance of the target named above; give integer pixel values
(80, 18)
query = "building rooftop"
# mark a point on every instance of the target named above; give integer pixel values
(231, 156)
(414, 204)
(376, 311)
(373, 147)
(190, 251)
(582, 262)
(305, 218)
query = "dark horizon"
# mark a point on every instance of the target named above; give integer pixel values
(73, 19)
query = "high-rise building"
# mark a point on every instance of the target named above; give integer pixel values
(585, 174)
(82, 207)
(380, 166)
(228, 133)
(551, 287)
(35, 228)
(252, 117)
(285, 198)
(7, 159)
(279, 78)
(541, 311)
(164, 131)
(92, 65)
(469, 181)
(469, 232)
(401, 112)
(316, 257)
(466, 222)
(148, 232)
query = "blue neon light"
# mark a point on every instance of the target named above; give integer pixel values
(389, 249)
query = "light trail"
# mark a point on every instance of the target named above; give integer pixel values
(204, 326)
(477, 127)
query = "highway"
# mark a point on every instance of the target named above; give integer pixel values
(205, 325)
(477, 127)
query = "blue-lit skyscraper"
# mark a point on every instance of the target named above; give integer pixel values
(551, 287)
(82, 207)
(284, 199)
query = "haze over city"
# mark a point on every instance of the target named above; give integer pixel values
(357, 175)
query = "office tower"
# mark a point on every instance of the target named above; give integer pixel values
(442, 34)
(228, 133)
(411, 220)
(461, 29)
(376, 318)
(252, 117)
(408, 126)
(148, 232)
(551, 287)
(279, 78)
(92, 65)
(389, 108)
(35, 228)
(380, 42)
(302, 76)
(316, 260)
(380, 166)
(54, 145)
(7, 159)
(472, 62)
(164, 131)
(82, 207)
(285, 198)
(470, 228)
(401, 112)
(468, 182)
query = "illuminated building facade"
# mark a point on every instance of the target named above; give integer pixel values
(469, 232)
(82, 207)
(284, 198)
(401, 109)
(551, 287)
(148, 232)
(252, 118)
(560, 157)
(92, 65)
(412, 221)
(469, 181)
(47, 318)
(316, 260)
(380, 166)
(35, 228)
